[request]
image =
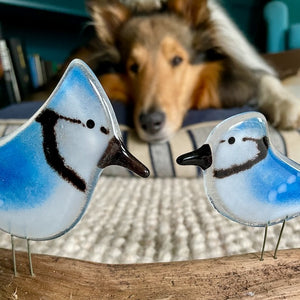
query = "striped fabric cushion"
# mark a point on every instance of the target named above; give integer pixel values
(160, 158)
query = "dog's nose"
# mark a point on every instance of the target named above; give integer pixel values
(152, 122)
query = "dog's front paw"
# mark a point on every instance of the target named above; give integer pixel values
(280, 106)
(286, 113)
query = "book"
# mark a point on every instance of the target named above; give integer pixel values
(20, 66)
(4, 98)
(11, 84)
(34, 72)
(41, 71)
(1, 70)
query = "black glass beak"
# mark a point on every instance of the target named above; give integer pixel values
(117, 154)
(201, 157)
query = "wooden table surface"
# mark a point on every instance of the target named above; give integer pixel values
(235, 277)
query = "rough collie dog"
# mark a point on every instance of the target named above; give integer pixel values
(186, 54)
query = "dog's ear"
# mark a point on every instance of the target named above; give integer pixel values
(195, 12)
(108, 16)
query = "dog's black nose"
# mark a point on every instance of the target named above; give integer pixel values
(152, 122)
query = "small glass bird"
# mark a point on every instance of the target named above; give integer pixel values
(246, 179)
(50, 165)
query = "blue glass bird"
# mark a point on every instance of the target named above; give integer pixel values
(246, 179)
(49, 166)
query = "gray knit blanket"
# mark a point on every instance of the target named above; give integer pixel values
(132, 220)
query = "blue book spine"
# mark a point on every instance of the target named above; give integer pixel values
(33, 71)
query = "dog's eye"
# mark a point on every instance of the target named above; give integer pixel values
(134, 68)
(176, 60)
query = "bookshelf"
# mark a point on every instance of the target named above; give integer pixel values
(49, 29)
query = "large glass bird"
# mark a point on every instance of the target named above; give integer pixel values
(49, 166)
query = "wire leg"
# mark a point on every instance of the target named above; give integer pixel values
(29, 258)
(264, 243)
(13, 254)
(279, 238)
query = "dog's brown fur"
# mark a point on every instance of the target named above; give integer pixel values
(168, 62)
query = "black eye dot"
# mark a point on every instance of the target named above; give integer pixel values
(231, 140)
(104, 130)
(90, 124)
(176, 60)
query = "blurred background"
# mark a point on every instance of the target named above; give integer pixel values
(43, 34)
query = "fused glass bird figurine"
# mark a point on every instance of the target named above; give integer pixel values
(50, 165)
(246, 179)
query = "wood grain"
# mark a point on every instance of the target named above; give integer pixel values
(236, 277)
